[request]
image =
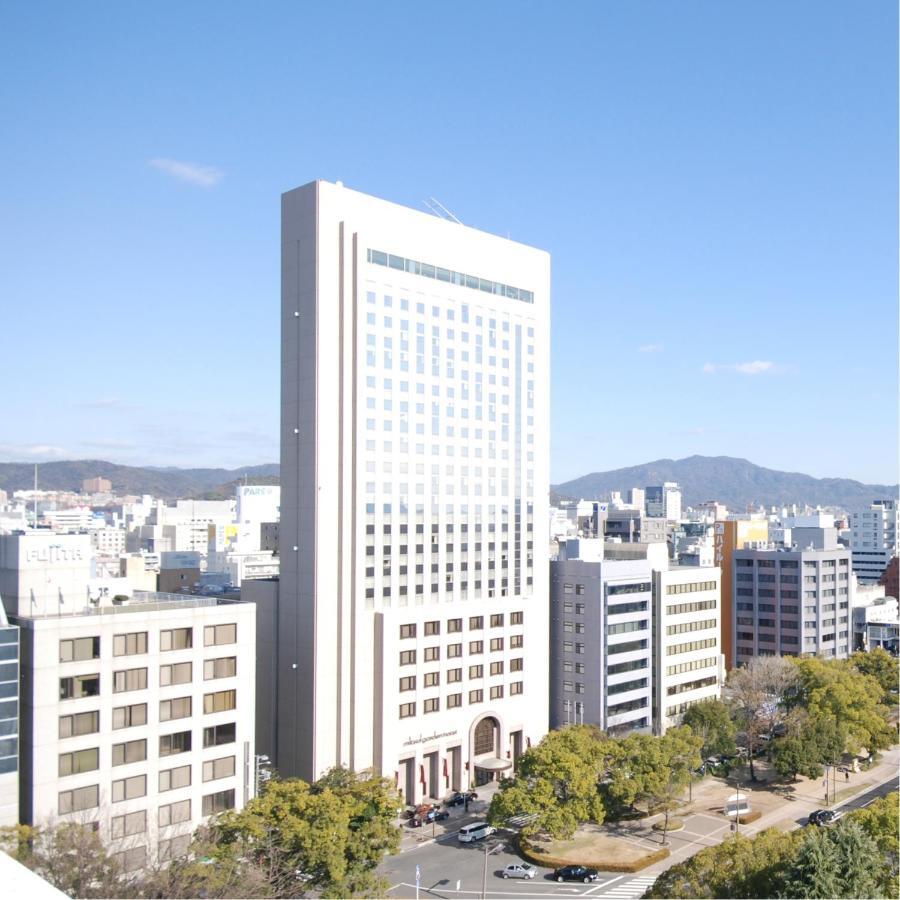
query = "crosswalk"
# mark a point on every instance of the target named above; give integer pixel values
(628, 890)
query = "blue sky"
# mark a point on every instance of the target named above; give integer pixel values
(716, 183)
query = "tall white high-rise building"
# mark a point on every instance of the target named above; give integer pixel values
(875, 538)
(414, 470)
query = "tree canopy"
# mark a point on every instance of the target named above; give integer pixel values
(711, 721)
(884, 668)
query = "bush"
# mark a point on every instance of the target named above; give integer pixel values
(750, 817)
(555, 862)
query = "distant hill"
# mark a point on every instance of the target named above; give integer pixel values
(161, 482)
(734, 482)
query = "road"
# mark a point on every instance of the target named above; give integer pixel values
(449, 869)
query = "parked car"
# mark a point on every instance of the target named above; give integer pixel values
(824, 817)
(459, 798)
(576, 873)
(519, 870)
(475, 832)
(436, 815)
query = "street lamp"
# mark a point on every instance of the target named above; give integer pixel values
(487, 853)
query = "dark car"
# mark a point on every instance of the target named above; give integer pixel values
(459, 799)
(436, 815)
(824, 817)
(576, 873)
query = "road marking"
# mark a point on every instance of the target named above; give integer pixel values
(440, 892)
(603, 884)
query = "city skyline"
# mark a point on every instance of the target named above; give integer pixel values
(686, 192)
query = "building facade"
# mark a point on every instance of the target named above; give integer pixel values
(664, 501)
(9, 722)
(414, 467)
(873, 539)
(138, 717)
(688, 665)
(791, 602)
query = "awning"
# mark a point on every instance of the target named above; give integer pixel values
(493, 764)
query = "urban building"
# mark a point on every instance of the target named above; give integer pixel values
(628, 525)
(729, 536)
(664, 501)
(96, 485)
(873, 539)
(876, 624)
(688, 664)
(138, 717)
(791, 602)
(9, 722)
(601, 653)
(181, 525)
(890, 580)
(414, 466)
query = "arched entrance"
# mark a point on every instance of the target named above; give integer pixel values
(485, 753)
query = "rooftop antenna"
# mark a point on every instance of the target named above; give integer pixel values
(444, 209)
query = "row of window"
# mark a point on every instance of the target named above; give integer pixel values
(84, 798)
(433, 679)
(692, 666)
(676, 609)
(124, 680)
(433, 704)
(705, 644)
(454, 651)
(691, 588)
(687, 686)
(454, 626)
(135, 643)
(685, 627)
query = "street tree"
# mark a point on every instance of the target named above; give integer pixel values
(881, 821)
(811, 744)
(758, 694)
(557, 782)
(884, 668)
(835, 689)
(330, 835)
(738, 867)
(711, 720)
(842, 861)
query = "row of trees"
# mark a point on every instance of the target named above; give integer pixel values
(327, 837)
(856, 858)
(580, 774)
(819, 709)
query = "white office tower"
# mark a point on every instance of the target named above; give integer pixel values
(664, 501)
(688, 665)
(414, 469)
(874, 539)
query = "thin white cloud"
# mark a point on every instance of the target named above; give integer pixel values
(650, 348)
(756, 367)
(201, 176)
(31, 452)
(111, 403)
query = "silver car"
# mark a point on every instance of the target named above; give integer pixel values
(520, 870)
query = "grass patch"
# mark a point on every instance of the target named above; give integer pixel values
(674, 825)
(850, 791)
(605, 864)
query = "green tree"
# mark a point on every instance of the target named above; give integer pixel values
(329, 835)
(834, 862)
(738, 867)
(836, 690)
(812, 743)
(884, 668)
(881, 821)
(557, 783)
(711, 720)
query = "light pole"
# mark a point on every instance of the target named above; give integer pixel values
(487, 853)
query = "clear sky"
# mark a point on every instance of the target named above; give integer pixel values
(716, 182)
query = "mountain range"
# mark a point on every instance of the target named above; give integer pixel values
(735, 482)
(167, 483)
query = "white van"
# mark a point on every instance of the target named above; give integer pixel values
(475, 832)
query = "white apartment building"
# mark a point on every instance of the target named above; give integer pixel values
(415, 393)
(108, 541)
(874, 539)
(688, 665)
(139, 717)
(75, 518)
(180, 525)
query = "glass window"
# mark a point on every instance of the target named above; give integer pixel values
(176, 639)
(216, 735)
(128, 824)
(78, 686)
(214, 635)
(79, 723)
(173, 813)
(129, 752)
(79, 799)
(178, 708)
(219, 802)
(79, 761)
(132, 644)
(172, 779)
(219, 701)
(130, 716)
(129, 788)
(170, 744)
(129, 680)
(177, 673)
(224, 667)
(214, 769)
(78, 649)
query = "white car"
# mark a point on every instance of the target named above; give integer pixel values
(520, 870)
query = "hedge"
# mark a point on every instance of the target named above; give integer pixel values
(553, 862)
(750, 817)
